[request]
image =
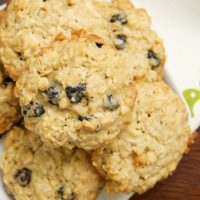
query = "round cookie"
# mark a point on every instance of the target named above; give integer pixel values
(77, 93)
(151, 147)
(9, 105)
(32, 171)
(30, 25)
(131, 34)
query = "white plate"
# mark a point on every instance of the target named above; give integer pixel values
(177, 22)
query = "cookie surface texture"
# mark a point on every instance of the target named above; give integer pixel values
(131, 34)
(77, 94)
(30, 25)
(150, 149)
(32, 171)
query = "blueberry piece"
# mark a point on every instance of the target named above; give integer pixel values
(54, 93)
(33, 110)
(111, 104)
(20, 56)
(7, 80)
(99, 45)
(62, 196)
(60, 192)
(119, 17)
(76, 94)
(82, 118)
(120, 41)
(154, 59)
(23, 176)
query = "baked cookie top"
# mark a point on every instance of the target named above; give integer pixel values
(30, 25)
(9, 105)
(32, 171)
(131, 34)
(77, 93)
(151, 146)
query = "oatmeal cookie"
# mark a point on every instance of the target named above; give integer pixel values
(30, 25)
(141, 59)
(151, 147)
(32, 171)
(77, 93)
(131, 34)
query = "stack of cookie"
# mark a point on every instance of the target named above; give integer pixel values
(87, 76)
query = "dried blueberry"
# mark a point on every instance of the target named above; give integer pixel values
(119, 17)
(111, 103)
(7, 80)
(99, 45)
(76, 94)
(33, 110)
(82, 118)
(120, 41)
(23, 176)
(54, 93)
(21, 57)
(154, 59)
(62, 196)
(60, 192)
